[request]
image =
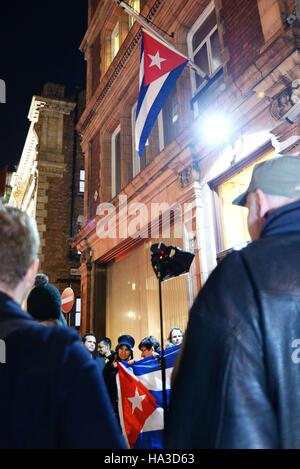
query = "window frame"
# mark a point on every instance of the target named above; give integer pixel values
(113, 160)
(81, 181)
(250, 160)
(196, 26)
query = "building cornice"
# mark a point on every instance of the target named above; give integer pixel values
(118, 64)
(103, 12)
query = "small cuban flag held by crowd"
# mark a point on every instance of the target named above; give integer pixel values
(141, 401)
(160, 67)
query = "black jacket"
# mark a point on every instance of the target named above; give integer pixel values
(51, 392)
(237, 383)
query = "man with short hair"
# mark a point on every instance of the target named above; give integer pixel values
(89, 341)
(51, 394)
(237, 382)
(104, 348)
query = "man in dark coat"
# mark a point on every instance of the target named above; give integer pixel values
(237, 383)
(89, 341)
(51, 393)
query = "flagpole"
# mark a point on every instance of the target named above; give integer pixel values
(151, 30)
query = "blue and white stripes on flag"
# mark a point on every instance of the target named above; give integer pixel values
(148, 373)
(161, 67)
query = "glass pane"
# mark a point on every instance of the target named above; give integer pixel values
(82, 175)
(204, 30)
(135, 4)
(81, 186)
(234, 218)
(118, 162)
(215, 51)
(201, 59)
(133, 300)
(115, 41)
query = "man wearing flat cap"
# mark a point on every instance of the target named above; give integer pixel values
(237, 382)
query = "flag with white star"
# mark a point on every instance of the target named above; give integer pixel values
(140, 400)
(160, 67)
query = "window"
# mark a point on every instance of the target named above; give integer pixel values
(115, 41)
(136, 5)
(133, 298)
(116, 162)
(170, 117)
(234, 230)
(81, 181)
(139, 163)
(204, 46)
(78, 312)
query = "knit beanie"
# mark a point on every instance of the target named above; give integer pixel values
(44, 300)
(127, 340)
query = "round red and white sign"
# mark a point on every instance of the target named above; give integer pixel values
(67, 300)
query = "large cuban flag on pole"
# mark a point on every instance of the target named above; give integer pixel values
(141, 401)
(160, 67)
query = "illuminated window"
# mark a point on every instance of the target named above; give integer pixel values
(81, 181)
(233, 217)
(204, 46)
(136, 5)
(115, 41)
(78, 312)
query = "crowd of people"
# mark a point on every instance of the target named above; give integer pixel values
(236, 382)
(106, 359)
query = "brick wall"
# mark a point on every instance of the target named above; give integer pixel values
(242, 37)
(59, 162)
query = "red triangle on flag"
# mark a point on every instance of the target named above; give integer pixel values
(137, 404)
(159, 59)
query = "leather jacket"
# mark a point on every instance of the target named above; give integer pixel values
(237, 381)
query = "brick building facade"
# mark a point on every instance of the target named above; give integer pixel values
(250, 51)
(47, 182)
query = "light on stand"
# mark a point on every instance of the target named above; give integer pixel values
(167, 262)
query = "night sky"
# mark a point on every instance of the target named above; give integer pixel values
(39, 42)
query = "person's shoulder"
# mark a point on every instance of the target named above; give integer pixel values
(230, 265)
(50, 334)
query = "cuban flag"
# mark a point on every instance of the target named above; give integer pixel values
(141, 401)
(160, 67)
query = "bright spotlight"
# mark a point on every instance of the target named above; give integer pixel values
(216, 128)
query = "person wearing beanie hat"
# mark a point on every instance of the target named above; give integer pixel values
(125, 342)
(124, 352)
(44, 302)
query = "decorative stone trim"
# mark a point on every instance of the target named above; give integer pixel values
(189, 175)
